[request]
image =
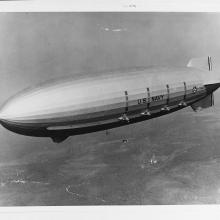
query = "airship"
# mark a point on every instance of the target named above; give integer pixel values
(88, 103)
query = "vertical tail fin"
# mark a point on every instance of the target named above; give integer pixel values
(201, 63)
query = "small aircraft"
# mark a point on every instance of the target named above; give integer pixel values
(83, 104)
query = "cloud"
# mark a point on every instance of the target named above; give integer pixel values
(114, 29)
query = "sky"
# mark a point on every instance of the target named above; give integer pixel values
(35, 47)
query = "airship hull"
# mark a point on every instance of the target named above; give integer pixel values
(76, 106)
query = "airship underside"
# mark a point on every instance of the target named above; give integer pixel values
(86, 104)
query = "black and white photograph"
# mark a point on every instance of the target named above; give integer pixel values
(109, 108)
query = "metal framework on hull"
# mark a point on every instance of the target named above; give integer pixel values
(168, 102)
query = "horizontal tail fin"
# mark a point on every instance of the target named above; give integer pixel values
(203, 63)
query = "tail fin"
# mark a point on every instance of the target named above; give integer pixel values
(206, 102)
(203, 63)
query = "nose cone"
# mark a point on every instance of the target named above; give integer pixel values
(37, 103)
(21, 107)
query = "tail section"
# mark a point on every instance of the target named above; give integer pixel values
(203, 63)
